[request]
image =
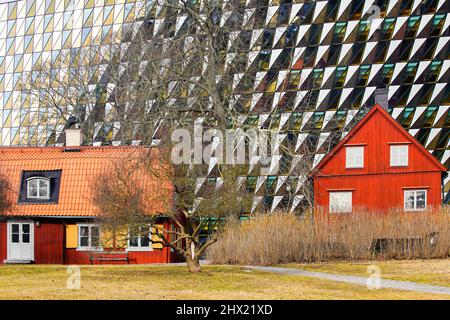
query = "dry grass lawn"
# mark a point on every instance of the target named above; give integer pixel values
(174, 282)
(435, 272)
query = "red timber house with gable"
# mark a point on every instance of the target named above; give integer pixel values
(53, 218)
(378, 166)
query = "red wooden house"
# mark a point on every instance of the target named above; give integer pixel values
(53, 217)
(378, 166)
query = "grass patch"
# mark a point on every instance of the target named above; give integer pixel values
(435, 272)
(174, 282)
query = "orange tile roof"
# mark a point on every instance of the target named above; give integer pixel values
(78, 169)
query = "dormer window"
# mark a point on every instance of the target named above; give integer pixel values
(38, 188)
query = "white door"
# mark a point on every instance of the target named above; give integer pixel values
(20, 240)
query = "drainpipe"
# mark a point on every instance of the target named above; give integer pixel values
(443, 176)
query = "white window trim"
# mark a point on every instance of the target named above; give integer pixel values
(89, 248)
(338, 212)
(139, 248)
(38, 179)
(350, 166)
(391, 159)
(415, 200)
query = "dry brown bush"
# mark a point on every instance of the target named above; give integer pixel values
(283, 237)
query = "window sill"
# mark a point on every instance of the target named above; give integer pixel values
(341, 212)
(90, 249)
(416, 188)
(36, 201)
(139, 249)
(355, 144)
(399, 143)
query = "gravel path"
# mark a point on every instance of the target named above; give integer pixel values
(392, 284)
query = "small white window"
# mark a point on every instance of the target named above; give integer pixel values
(38, 188)
(415, 200)
(399, 155)
(340, 201)
(140, 241)
(354, 157)
(88, 237)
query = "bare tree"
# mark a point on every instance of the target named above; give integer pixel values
(155, 70)
(144, 189)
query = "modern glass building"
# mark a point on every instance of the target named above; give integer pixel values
(334, 53)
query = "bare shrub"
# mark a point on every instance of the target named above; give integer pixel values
(5, 201)
(283, 238)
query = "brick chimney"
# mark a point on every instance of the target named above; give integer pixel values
(382, 98)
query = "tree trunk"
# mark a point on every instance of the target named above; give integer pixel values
(193, 264)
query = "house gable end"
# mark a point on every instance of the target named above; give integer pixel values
(376, 130)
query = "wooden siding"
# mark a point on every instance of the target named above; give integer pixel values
(378, 192)
(378, 186)
(73, 256)
(49, 243)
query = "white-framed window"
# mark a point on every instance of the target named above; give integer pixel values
(415, 200)
(354, 157)
(38, 188)
(89, 237)
(140, 241)
(341, 201)
(399, 155)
